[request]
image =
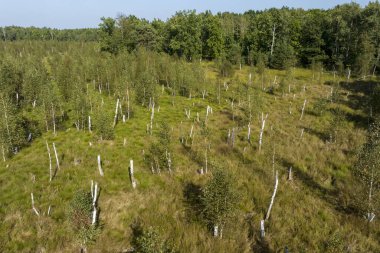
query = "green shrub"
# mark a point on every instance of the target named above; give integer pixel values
(149, 241)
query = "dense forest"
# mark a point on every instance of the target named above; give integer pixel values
(254, 132)
(345, 37)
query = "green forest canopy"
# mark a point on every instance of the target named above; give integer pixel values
(347, 36)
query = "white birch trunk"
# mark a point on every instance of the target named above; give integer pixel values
(92, 189)
(262, 228)
(216, 231)
(100, 166)
(191, 131)
(290, 173)
(33, 207)
(263, 119)
(131, 171)
(50, 163)
(56, 155)
(94, 216)
(151, 119)
(303, 109)
(273, 196)
(273, 38)
(89, 124)
(117, 107)
(95, 197)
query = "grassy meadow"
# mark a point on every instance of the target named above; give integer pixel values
(311, 213)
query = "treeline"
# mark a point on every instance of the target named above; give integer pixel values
(340, 38)
(13, 33)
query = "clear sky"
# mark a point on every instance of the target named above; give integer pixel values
(87, 13)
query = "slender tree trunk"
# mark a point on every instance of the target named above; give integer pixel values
(115, 118)
(290, 174)
(56, 155)
(33, 207)
(151, 119)
(273, 38)
(89, 124)
(53, 117)
(50, 163)
(131, 171)
(262, 229)
(262, 129)
(303, 109)
(100, 166)
(273, 196)
(128, 109)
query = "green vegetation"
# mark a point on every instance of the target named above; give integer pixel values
(192, 128)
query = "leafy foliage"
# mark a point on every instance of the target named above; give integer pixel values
(148, 240)
(219, 199)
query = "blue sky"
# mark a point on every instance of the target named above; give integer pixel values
(87, 13)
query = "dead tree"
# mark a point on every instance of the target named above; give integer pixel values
(95, 194)
(131, 175)
(191, 131)
(303, 109)
(187, 112)
(273, 196)
(263, 119)
(151, 119)
(262, 229)
(33, 207)
(89, 124)
(290, 173)
(56, 155)
(100, 166)
(208, 111)
(116, 110)
(50, 164)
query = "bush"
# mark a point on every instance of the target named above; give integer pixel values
(219, 199)
(103, 125)
(161, 151)
(148, 240)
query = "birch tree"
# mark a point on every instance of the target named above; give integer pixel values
(367, 172)
(220, 201)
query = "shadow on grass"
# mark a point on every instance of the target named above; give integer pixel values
(330, 196)
(192, 194)
(321, 135)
